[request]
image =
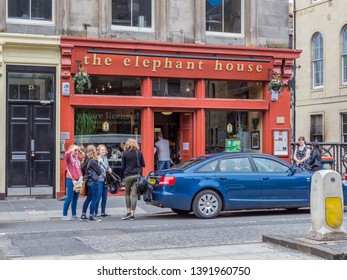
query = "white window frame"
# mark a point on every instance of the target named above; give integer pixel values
(344, 56)
(30, 21)
(227, 34)
(316, 61)
(136, 28)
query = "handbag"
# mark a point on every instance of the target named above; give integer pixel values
(114, 182)
(77, 184)
(141, 182)
(84, 188)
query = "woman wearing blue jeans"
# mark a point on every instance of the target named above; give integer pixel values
(103, 188)
(92, 171)
(73, 157)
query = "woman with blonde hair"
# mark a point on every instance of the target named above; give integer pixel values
(103, 188)
(92, 172)
(132, 164)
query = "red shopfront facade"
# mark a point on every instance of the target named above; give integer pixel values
(201, 97)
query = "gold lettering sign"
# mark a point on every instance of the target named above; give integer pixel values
(156, 64)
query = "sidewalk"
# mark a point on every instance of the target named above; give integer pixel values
(45, 209)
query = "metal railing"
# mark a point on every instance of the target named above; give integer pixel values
(336, 150)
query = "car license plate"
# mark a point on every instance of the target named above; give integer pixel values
(152, 181)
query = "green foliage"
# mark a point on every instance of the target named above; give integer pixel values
(81, 79)
(85, 122)
(276, 83)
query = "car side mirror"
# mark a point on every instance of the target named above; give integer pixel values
(294, 169)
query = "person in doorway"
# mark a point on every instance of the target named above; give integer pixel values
(103, 188)
(315, 160)
(132, 164)
(73, 159)
(162, 147)
(92, 171)
(302, 154)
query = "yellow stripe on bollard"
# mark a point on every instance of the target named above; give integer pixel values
(333, 212)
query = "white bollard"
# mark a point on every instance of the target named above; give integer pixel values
(326, 206)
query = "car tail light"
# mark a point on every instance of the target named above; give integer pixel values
(165, 181)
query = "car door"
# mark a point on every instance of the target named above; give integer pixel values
(280, 187)
(239, 183)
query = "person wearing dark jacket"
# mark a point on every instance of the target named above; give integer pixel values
(132, 164)
(315, 160)
(92, 171)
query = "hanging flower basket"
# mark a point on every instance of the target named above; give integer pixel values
(276, 84)
(81, 79)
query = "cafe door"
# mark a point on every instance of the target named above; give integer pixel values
(186, 136)
(30, 136)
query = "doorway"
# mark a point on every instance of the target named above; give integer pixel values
(30, 138)
(177, 128)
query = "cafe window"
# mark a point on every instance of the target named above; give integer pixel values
(132, 13)
(173, 88)
(233, 89)
(30, 86)
(30, 10)
(224, 16)
(230, 125)
(110, 85)
(111, 127)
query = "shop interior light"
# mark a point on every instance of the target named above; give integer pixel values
(105, 126)
(166, 113)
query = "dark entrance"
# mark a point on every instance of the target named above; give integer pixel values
(30, 131)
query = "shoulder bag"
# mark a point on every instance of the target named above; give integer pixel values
(141, 183)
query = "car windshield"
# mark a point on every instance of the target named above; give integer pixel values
(188, 163)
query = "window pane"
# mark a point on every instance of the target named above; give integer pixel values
(110, 85)
(121, 12)
(18, 9)
(41, 10)
(232, 16)
(173, 88)
(223, 16)
(233, 89)
(316, 128)
(142, 13)
(137, 13)
(29, 86)
(344, 69)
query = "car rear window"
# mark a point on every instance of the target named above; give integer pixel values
(188, 163)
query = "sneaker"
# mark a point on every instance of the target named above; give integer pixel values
(66, 218)
(126, 217)
(97, 215)
(93, 219)
(131, 218)
(105, 215)
(76, 217)
(83, 217)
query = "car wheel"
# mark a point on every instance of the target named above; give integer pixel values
(181, 212)
(207, 204)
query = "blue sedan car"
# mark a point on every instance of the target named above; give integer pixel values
(213, 183)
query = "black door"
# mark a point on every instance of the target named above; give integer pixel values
(30, 133)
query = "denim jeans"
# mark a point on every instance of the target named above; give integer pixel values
(103, 191)
(71, 198)
(92, 196)
(163, 164)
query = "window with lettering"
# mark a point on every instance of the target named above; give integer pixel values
(132, 13)
(224, 16)
(30, 10)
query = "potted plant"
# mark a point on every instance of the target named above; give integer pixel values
(81, 79)
(276, 84)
